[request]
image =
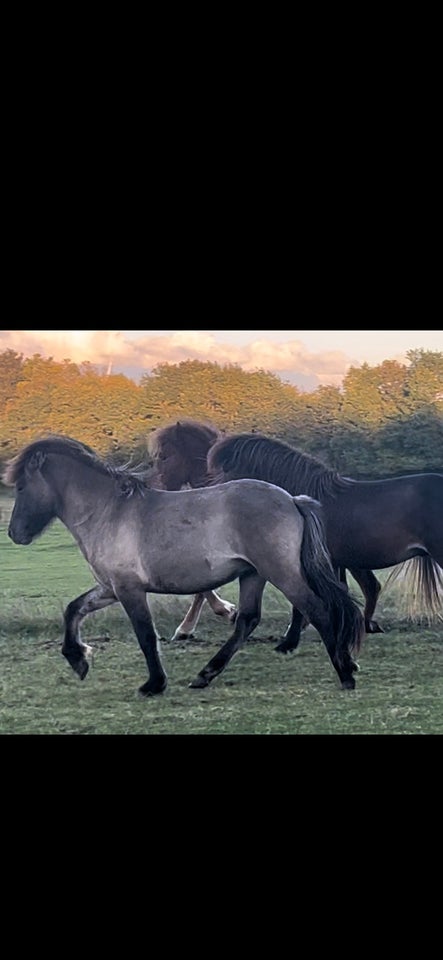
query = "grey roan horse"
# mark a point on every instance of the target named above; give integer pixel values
(139, 540)
(369, 524)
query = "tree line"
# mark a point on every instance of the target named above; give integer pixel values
(385, 419)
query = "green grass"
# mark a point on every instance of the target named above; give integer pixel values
(399, 686)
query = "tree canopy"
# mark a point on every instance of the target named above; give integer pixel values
(385, 419)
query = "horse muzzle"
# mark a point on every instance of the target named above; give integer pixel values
(21, 538)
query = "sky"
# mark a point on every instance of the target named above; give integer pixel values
(306, 358)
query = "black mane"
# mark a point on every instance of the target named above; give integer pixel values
(132, 479)
(261, 458)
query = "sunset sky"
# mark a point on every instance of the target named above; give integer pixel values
(306, 358)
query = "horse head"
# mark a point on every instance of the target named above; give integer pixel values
(34, 505)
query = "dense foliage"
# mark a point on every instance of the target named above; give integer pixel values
(385, 419)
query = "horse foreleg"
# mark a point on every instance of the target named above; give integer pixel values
(370, 587)
(73, 647)
(248, 617)
(134, 602)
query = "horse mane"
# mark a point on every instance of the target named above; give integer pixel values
(262, 458)
(181, 433)
(132, 480)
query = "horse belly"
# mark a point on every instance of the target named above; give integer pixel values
(371, 544)
(192, 574)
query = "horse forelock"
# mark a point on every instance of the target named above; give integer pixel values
(275, 461)
(12, 471)
(80, 452)
(183, 434)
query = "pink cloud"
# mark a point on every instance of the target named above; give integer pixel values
(101, 346)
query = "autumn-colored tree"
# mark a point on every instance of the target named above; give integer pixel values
(76, 401)
(387, 418)
(425, 378)
(11, 364)
(372, 395)
(30, 410)
(317, 421)
(227, 395)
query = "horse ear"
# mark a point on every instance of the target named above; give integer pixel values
(180, 433)
(35, 462)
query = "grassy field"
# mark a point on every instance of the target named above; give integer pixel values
(399, 686)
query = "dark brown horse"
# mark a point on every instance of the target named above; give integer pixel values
(369, 524)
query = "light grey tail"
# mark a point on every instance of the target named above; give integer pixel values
(347, 619)
(422, 578)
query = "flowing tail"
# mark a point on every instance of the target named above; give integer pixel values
(347, 619)
(422, 577)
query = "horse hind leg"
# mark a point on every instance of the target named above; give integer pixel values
(248, 618)
(73, 647)
(370, 588)
(344, 667)
(291, 639)
(185, 629)
(222, 608)
(311, 606)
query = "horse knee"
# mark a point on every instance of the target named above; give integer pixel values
(70, 611)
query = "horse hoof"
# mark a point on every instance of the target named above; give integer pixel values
(149, 690)
(198, 683)
(348, 684)
(81, 668)
(183, 636)
(373, 627)
(284, 648)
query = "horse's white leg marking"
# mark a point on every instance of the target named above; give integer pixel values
(192, 617)
(222, 608)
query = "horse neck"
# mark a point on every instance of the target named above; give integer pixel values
(199, 478)
(295, 475)
(80, 493)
